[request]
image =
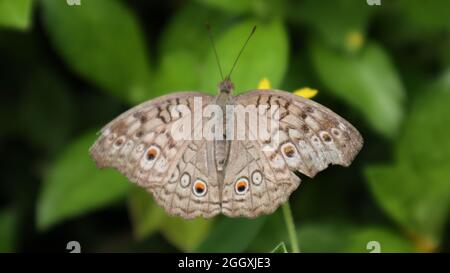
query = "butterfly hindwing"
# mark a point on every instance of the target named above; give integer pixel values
(252, 185)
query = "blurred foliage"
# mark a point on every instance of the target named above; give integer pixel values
(68, 70)
(15, 14)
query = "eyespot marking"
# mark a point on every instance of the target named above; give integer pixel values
(138, 134)
(111, 137)
(185, 180)
(326, 137)
(199, 188)
(241, 186)
(119, 141)
(257, 177)
(288, 150)
(335, 132)
(152, 153)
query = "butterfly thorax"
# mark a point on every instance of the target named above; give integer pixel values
(221, 146)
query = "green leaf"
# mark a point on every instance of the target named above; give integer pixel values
(192, 37)
(272, 232)
(146, 216)
(233, 6)
(388, 240)
(187, 235)
(16, 13)
(39, 123)
(342, 24)
(344, 237)
(429, 15)
(7, 230)
(280, 248)
(262, 8)
(367, 81)
(232, 235)
(101, 41)
(415, 191)
(183, 48)
(74, 186)
(266, 55)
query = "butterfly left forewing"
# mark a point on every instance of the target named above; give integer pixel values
(139, 143)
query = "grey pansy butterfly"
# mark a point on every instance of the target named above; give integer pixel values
(201, 176)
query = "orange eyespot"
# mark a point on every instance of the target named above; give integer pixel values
(199, 188)
(241, 186)
(152, 153)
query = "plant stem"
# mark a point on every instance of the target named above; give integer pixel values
(290, 225)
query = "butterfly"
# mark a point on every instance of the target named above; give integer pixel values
(237, 177)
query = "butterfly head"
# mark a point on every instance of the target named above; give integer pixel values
(226, 86)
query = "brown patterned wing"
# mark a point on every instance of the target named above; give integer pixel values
(309, 138)
(254, 184)
(139, 143)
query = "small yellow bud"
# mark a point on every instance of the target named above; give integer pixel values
(354, 40)
(306, 92)
(264, 83)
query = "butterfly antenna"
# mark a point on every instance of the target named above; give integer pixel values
(208, 27)
(240, 52)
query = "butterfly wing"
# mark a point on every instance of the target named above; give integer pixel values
(253, 184)
(140, 144)
(309, 137)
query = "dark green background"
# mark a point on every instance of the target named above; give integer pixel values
(65, 71)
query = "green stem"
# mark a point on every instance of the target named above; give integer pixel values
(290, 225)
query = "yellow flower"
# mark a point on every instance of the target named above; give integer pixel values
(354, 40)
(264, 84)
(305, 92)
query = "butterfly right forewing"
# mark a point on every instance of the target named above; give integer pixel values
(314, 135)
